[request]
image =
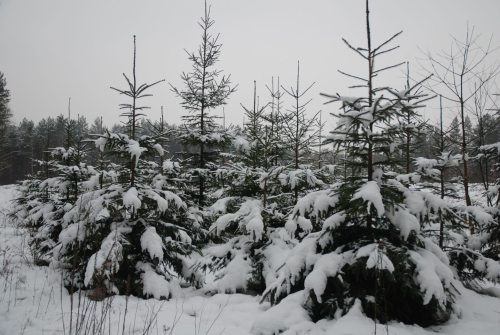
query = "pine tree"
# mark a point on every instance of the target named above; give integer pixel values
(203, 92)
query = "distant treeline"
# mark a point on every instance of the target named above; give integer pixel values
(27, 142)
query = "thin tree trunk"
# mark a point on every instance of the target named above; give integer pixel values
(133, 161)
(442, 170)
(370, 103)
(468, 201)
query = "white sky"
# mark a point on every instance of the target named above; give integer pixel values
(55, 49)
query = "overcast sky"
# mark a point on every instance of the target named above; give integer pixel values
(55, 49)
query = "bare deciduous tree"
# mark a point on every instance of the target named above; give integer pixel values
(458, 75)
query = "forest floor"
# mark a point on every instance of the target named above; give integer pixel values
(32, 301)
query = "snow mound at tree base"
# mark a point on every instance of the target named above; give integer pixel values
(479, 314)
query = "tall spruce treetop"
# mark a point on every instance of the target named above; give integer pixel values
(253, 130)
(135, 92)
(299, 136)
(276, 122)
(204, 90)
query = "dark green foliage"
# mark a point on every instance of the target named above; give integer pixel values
(384, 295)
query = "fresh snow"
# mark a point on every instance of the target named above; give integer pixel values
(33, 302)
(404, 221)
(370, 192)
(377, 258)
(155, 285)
(152, 242)
(159, 149)
(249, 215)
(130, 198)
(432, 275)
(328, 265)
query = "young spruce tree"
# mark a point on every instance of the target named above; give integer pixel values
(370, 252)
(247, 218)
(131, 234)
(204, 90)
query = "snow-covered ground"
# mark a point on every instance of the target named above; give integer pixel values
(33, 302)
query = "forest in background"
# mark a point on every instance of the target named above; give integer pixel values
(26, 143)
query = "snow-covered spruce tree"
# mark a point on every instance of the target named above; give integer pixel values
(299, 137)
(32, 198)
(324, 155)
(300, 173)
(252, 214)
(371, 251)
(492, 247)
(31, 194)
(254, 155)
(169, 173)
(70, 174)
(275, 120)
(98, 156)
(158, 129)
(247, 218)
(45, 200)
(413, 130)
(203, 91)
(133, 235)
